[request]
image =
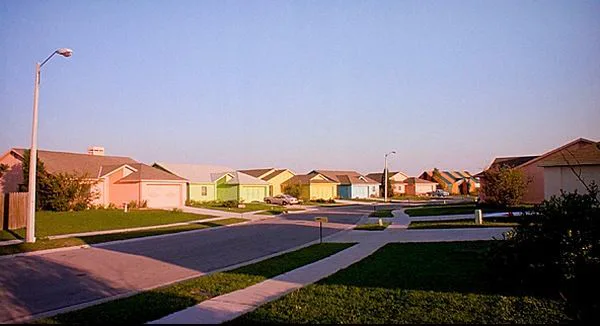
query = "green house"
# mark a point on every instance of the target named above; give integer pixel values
(212, 182)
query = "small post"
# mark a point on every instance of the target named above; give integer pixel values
(478, 217)
(125, 207)
(380, 222)
(320, 232)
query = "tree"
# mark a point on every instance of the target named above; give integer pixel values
(3, 169)
(61, 191)
(437, 177)
(390, 191)
(293, 190)
(504, 186)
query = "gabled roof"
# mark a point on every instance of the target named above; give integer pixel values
(378, 176)
(586, 154)
(258, 173)
(78, 163)
(196, 173)
(563, 148)
(238, 178)
(146, 172)
(413, 180)
(276, 173)
(511, 162)
(449, 177)
(309, 178)
(345, 177)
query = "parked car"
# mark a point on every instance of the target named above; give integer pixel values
(281, 200)
(439, 193)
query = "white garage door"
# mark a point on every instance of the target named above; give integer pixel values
(161, 195)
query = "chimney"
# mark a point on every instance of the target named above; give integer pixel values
(96, 150)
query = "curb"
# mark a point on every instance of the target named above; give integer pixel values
(132, 293)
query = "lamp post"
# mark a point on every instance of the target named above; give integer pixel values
(386, 176)
(30, 234)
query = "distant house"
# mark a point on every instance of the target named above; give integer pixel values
(550, 166)
(351, 184)
(455, 182)
(118, 180)
(416, 186)
(314, 186)
(275, 178)
(395, 178)
(211, 182)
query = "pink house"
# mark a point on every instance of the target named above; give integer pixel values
(533, 168)
(118, 179)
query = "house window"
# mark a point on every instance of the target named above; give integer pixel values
(204, 190)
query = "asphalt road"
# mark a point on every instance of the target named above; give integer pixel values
(32, 285)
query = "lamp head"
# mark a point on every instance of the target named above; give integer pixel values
(65, 52)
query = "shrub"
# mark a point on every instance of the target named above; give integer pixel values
(293, 190)
(504, 186)
(176, 210)
(132, 204)
(230, 203)
(144, 204)
(556, 251)
(111, 206)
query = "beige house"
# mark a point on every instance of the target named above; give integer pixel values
(397, 179)
(275, 178)
(573, 171)
(418, 187)
(314, 186)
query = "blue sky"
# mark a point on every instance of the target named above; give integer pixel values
(303, 84)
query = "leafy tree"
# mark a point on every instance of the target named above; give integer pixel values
(293, 190)
(504, 186)
(556, 251)
(437, 177)
(3, 169)
(61, 191)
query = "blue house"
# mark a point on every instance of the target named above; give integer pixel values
(351, 184)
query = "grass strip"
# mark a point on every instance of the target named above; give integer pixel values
(458, 210)
(458, 224)
(55, 223)
(412, 283)
(42, 244)
(154, 304)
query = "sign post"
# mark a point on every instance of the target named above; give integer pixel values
(321, 220)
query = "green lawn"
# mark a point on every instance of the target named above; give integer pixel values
(151, 305)
(55, 223)
(382, 213)
(42, 244)
(251, 207)
(457, 209)
(372, 227)
(411, 283)
(462, 223)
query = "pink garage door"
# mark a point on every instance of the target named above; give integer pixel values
(162, 195)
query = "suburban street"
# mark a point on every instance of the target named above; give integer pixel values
(37, 284)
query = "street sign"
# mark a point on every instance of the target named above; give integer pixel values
(321, 219)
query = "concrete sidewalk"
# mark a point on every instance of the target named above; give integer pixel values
(229, 306)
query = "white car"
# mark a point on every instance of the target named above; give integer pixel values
(439, 193)
(281, 200)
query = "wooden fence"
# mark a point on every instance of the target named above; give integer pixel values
(13, 210)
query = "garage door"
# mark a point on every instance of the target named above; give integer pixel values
(360, 192)
(322, 192)
(161, 195)
(250, 194)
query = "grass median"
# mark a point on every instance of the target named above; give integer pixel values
(382, 213)
(42, 244)
(372, 227)
(459, 224)
(154, 304)
(459, 210)
(411, 283)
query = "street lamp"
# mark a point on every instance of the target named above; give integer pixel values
(30, 234)
(385, 170)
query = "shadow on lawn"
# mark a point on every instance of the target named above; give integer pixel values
(442, 267)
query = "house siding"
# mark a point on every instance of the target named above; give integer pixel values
(195, 192)
(13, 177)
(562, 178)
(227, 192)
(277, 182)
